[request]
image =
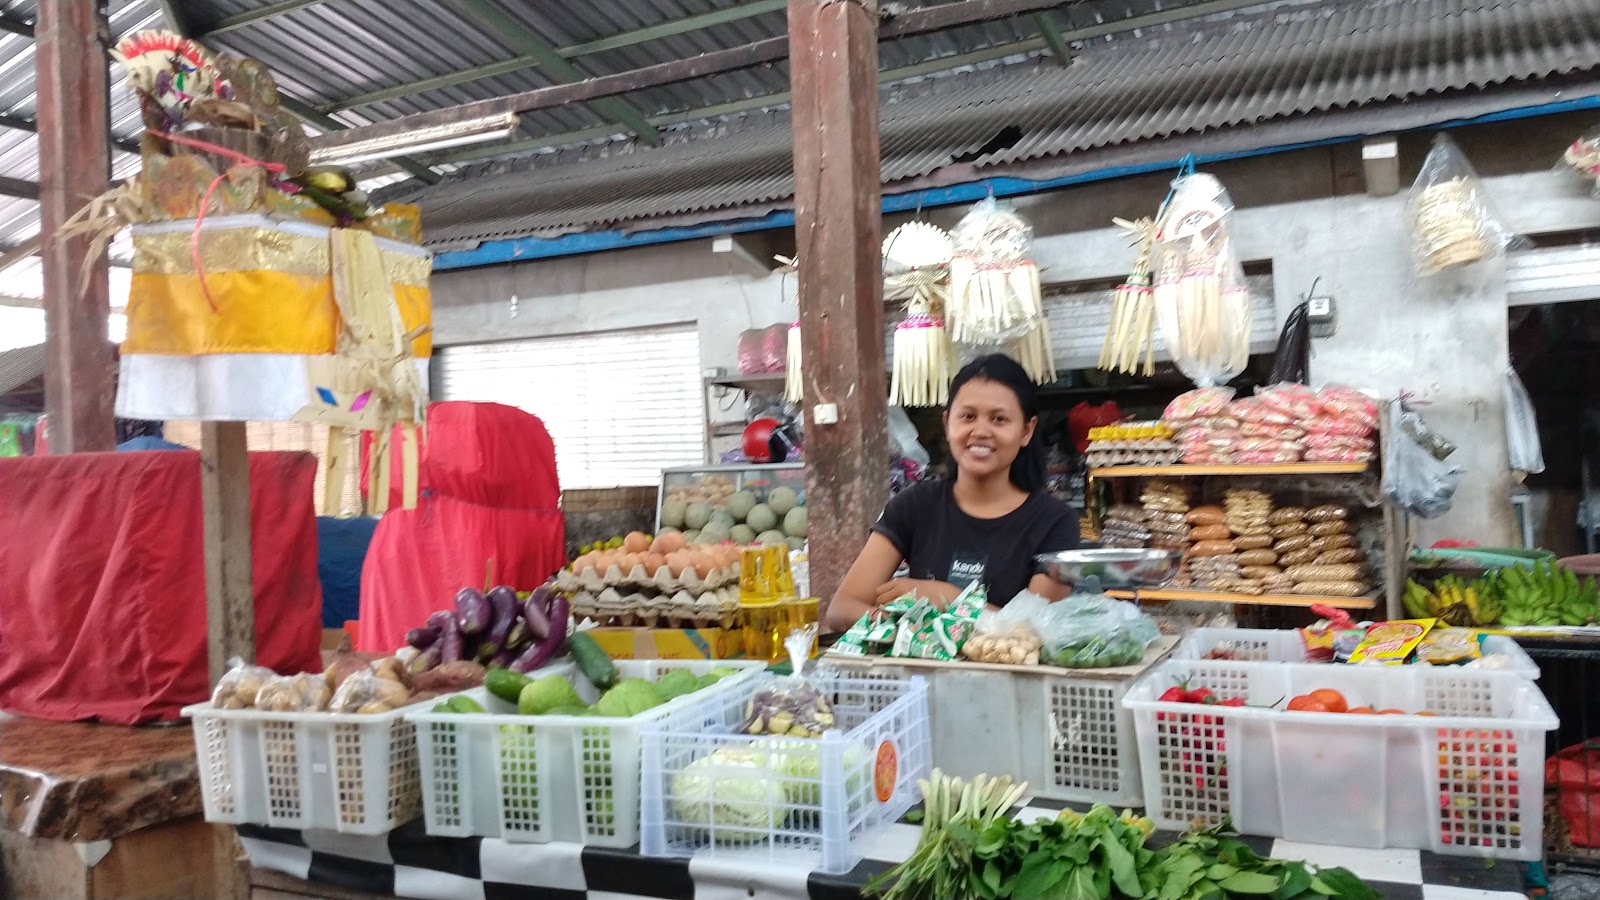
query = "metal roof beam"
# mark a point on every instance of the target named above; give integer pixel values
(16, 26)
(21, 124)
(521, 38)
(17, 187)
(906, 24)
(1052, 37)
(239, 20)
(655, 32)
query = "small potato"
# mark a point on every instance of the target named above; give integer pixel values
(376, 706)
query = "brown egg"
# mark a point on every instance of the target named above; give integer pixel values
(636, 542)
(653, 563)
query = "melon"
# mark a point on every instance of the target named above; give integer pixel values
(668, 529)
(692, 537)
(714, 534)
(672, 513)
(794, 524)
(783, 499)
(739, 505)
(696, 516)
(797, 544)
(722, 519)
(742, 534)
(762, 517)
(770, 538)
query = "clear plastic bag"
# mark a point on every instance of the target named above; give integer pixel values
(791, 705)
(368, 691)
(1412, 477)
(1583, 157)
(1201, 403)
(294, 693)
(1295, 401)
(1094, 631)
(1202, 300)
(994, 296)
(1452, 222)
(1525, 452)
(903, 441)
(239, 686)
(1341, 402)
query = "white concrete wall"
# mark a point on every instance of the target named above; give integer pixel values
(1444, 339)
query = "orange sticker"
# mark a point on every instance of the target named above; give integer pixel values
(885, 771)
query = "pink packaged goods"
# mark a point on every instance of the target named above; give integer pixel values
(1198, 404)
(1296, 401)
(1349, 403)
(1254, 411)
(1344, 427)
(1275, 432)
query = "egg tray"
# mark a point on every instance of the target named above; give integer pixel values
(680, 609)
(663, 582)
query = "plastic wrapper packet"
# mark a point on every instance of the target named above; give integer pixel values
(370, 691)
(791, 705)
(1272, 431)
(1094, 631)
(1336, 425)
(239, 686)
(1342, 402)
(1452, 222)
(1296, 401)
(1523, 449)
(1200, 403)
(1254, 411)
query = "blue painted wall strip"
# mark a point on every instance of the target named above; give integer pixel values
(531, 248)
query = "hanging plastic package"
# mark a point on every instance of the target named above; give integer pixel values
(1451, 219)
(1582, 156)
(1413, 477)
(1522, 428)
(996, 301)
(1202, 300)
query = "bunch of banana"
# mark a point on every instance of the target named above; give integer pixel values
(1456, 602)
(1548, 595)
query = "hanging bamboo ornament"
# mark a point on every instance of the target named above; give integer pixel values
(793, 385)
(917, 260)
(994, 289)
(1200, 293)
(1130, 331)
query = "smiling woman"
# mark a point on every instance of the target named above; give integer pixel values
(987, 524)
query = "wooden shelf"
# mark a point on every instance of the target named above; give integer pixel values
(1166, 594)
(1181, 470)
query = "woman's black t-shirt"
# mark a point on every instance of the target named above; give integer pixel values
(941, 543)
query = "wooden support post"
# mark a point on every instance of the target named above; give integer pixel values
(230, 596)
(74, 168)
(838, 226)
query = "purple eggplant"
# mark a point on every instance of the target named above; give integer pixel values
(424, 637)
(451, 641)
(425, 661)
(544, 650)
(505, 659)
(518, 637)
(503, 602)
(544, 593)
(537, 615)
(474, 610)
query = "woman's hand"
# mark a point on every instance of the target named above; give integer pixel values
(938, 592)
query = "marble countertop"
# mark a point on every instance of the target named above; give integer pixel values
(76, 781)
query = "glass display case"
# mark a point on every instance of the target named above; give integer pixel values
(760, 497)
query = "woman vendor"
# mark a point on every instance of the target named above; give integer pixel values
(986, 524)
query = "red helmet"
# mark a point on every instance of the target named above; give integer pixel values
(758, 439)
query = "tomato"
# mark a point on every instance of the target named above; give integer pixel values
(1174, 694)
(1305, 703)
(1391, 712)
(1233, 701)
(1330, 698)
(1200, 695)
(1362, 711)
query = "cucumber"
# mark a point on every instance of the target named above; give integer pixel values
(593, 661)
(505, 684)
(464, 704)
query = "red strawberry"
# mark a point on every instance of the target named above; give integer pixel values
(1174, 694)
(1200, 695)
(1232, 701)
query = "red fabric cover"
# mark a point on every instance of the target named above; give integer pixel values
(102, 571)
(420, 558)
(487, 490)
(484, 453)
(1574, 773)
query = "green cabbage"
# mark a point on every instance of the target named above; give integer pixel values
(734, 788)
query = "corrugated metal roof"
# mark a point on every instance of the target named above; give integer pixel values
(1246, 70)
(20, 366)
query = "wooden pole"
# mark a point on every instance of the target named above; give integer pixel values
(74, 168)
(838, 227)
(225, 495)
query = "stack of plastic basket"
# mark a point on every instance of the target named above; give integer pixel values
(1461, 771)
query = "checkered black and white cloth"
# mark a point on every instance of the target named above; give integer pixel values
(410, 863)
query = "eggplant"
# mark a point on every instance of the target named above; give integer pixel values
(537, 615)
(518, 637)
(451, 640)
(505, 659)
(474, 610)
(503, 603)
(544, 650)
(544, 593)
(424, 637)
(425, 661)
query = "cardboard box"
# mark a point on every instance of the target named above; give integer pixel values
(669, 643)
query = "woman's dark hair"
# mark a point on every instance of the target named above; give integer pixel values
(1027, 470)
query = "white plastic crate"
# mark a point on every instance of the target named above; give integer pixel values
(345, 772)
(808, 801)
(1063, 731)
(535, 779)
(1468, 780)
(1285, 645)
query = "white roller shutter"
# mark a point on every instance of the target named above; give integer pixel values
(620, 405)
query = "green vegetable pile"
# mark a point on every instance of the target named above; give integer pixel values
(744, 792)
(1099, 652)
(972, 850)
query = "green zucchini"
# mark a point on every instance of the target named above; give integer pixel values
(594, 662)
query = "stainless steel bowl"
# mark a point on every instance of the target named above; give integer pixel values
(1116, 569)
